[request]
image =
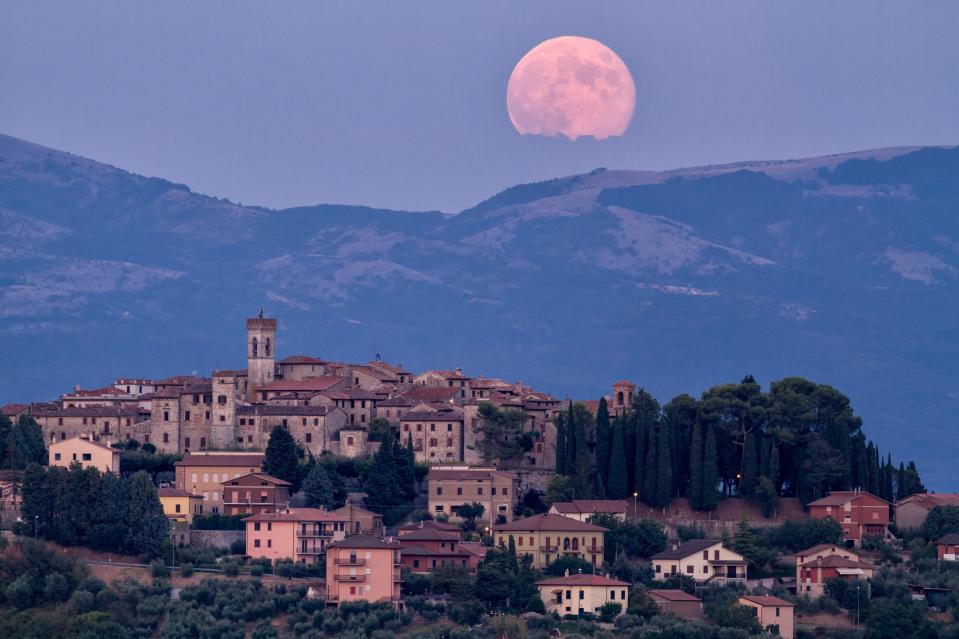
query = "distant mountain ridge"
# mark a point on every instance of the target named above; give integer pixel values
(841, 268)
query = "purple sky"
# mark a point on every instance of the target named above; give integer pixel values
(403, 104)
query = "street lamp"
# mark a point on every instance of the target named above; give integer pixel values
(36, 526)
(635, 497)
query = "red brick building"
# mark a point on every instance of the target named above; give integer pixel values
(254, 494)
(860, 514)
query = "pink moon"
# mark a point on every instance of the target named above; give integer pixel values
(571, 86)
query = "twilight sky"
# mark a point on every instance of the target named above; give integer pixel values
(403, 104)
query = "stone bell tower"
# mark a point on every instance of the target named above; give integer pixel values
(260, 352)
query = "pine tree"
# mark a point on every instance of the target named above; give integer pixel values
(639, 463)
(664, 469)
(281, 460)
(774, 466)
(149, 527)
(710, 471)
(561, 443)
(603, 440)
(405, 471)
(382, 484)
(616, 482)
(410, 455)
(696, 469)
(750, 467)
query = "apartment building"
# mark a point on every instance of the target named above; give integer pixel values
(363, 567)
(300, 534)
(202, 473)
(254, 494)
(547, 537)
(86, 452)
(449, 487)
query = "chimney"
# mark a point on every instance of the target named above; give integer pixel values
(76, 388)
(567, 573)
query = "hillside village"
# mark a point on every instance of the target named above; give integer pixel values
(439, 492)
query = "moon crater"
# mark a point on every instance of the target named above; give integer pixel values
(571, 86)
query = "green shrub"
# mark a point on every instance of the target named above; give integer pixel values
(158, 569)
(186, 570)
(609, 611)
(230, 568)
(256, 570)
(83, 601)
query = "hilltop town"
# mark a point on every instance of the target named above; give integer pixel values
(419, 493)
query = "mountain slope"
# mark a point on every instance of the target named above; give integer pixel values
(842, 268)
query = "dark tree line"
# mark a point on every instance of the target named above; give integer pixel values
(799, 439)
(82, 507)
(21, 444)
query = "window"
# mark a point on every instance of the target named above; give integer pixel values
(256, 543)
(479, 490)
(186, 415)
(87, 456)
(166, 416)
(256, 525)
(705, 555)
(689, 569)
(186, 442)
(439, 490)
(459, 489)
(303, 423)
(777, 611)
(178, 507)
(316, 421)
(203, 442)
(269, 543)
(166, 438)
(56, 456)
(492, 491)
(504, 492)
(309, 437)
(221, 399)
(349, 441)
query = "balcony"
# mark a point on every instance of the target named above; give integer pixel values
(350, 562)
(350, 578)
(311, 551)
(313, 533)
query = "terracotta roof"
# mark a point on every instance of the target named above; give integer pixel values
(582, 580)
(10, 410)
(298, 514)
(85, 440)
(395, 368)
(175, 492)
(438, 415)
(308, 384)
(474, 548)
(767, 600)
(228, 372)
(840, 497)
(444, 374)
(253, 460)
(673, 595)
(820, 548)
(95, 392)
(281, 410)
(351, 509)
(587, 506)
(430, 524)
(395, 401)
(430, 534)
(365, 541)
(546, 521)
(688, 548)
(949, 540)
(89, 411)
(179, 380)
(197, 388)
(624, 382)
(301, 359)
(11, 475)
(930, 500)
(489, 382)
(446, 474)
(270, 479)
(418, 550)
(355, 393)
(431, 394)
(835, 561)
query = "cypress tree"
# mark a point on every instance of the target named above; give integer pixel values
(750, 467)
(872, 470)
(571, 443)
(561, 443)
(648, 490)
(696, 468)
(901, 482)
(710, 471)
(603, 440)
(149, 527)
(664, 468)
(774, 466)
(639, 461)
(887, 480)
(616, 481)
(582, 450)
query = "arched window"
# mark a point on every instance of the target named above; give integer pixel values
(575, 543)
(266, 350)
(618, 401)
(566, 543)
(256, 346)
(630, 397)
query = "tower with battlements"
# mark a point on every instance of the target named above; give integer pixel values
(260, 353)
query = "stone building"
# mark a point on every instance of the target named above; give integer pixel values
(437, 434)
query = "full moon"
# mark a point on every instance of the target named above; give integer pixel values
(571, 86)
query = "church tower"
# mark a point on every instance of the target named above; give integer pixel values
(260, 352)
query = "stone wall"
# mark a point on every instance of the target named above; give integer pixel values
(533, 480)
(215, 538)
